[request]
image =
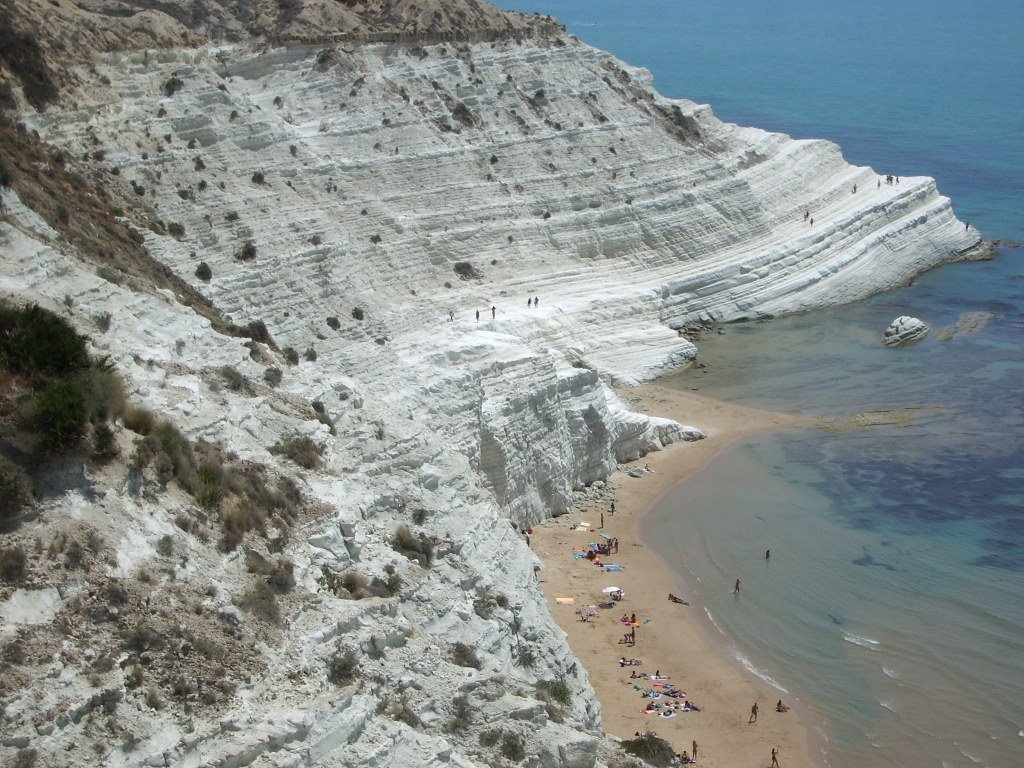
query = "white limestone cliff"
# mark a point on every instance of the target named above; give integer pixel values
(397, 183)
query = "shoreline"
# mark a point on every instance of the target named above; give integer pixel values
(671, 638)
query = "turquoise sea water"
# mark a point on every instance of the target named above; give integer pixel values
(893, 603)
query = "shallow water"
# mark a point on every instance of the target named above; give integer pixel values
(893, 601)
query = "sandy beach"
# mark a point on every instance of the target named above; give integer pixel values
(670, 637)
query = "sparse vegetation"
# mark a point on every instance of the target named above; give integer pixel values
(291, 355)
(651, 748)
(13, 563)
(259, 178)
(358, 313)
(15, 491)
(302, 450)
(467, 271)
(513, 746)
(273, 376)
(247, 252)
(203, 272)
(342, 667)
(465, 656)
(261, 601)
(420, 548)
(173, 85)
(557, 691)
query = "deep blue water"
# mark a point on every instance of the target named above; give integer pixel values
(893, 603)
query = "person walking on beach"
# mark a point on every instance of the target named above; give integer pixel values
(478, 315)
(753, 714)
(494, 311)
(536, 301)
(529, 302)
(736, 589)
(602, 519)
(767, 554)
(694, 750)
(775, 757)
(612, 510)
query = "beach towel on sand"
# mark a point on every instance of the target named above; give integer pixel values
(613, 567)
(565, 601)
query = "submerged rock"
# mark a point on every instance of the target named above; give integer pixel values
(903, 329)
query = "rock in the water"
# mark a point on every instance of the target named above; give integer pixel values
(903, 329)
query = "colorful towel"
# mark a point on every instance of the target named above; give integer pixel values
(565, 601)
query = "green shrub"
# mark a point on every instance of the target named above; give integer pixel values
(176, 230)
(273, 376)
(342, 667)
(102, 391)
(234, 380)
(13, 564)
(231, 216)
(35, 340)
(247, 252)
(259, 178)
(358, 314)
(651, 748)
(465, 656)
(557, 691)
(310, 354)
(173, 85)
(103, 444)
(291, 355)
(466, 271)
(420, 549)
(209, 490)
(59, 414)
(203, 272)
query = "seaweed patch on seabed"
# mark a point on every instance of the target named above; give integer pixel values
(892, 417)
(967, 323)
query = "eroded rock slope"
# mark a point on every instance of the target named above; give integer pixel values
(389, 213)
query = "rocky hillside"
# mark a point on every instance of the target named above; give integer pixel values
(309, 236)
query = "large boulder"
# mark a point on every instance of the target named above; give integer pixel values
(903, 329)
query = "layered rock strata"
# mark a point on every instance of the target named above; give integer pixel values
(457, 250)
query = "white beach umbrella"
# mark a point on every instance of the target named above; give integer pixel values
(609, 590)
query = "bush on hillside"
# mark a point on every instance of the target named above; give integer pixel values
(35, 340)
(651, 748)
(15, 491)
(302, 450)
(59, 415)
(420, 549)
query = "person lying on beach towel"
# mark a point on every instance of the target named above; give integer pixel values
(667, 713)
(675, 599)
(624, 662)
(689, 706)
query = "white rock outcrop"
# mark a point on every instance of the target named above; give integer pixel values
(903, 329)
(349, 198)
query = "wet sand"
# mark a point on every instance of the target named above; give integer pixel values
(671, 637)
